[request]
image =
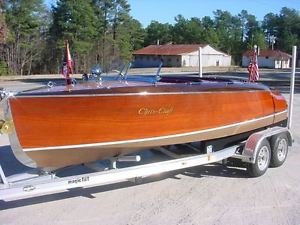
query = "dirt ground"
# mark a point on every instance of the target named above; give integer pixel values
(212, 194)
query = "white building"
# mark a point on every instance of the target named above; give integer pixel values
(179, 56)
(268, 59)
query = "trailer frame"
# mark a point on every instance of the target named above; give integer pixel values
(37, 182)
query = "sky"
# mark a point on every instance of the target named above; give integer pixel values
(165, 11)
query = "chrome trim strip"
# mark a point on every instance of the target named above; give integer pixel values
(134, 94)
(279, 113)
(152, 138)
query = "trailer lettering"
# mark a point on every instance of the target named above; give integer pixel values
(79, 180)
(28, 188)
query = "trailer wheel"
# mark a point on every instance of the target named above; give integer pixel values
(279, 146)
(262, 161)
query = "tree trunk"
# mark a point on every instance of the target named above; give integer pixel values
(30, 65)
(104, 37)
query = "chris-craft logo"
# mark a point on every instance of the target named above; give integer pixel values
(167, 110)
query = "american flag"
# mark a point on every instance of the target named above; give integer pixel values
(253, 69)
(67, 68)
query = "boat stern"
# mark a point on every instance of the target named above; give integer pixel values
(280, 106)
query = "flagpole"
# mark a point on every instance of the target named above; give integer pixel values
(253, 65)
(255, 52)
(68, 62)
(292, 88)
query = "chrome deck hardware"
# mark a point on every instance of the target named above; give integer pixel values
(157, 76)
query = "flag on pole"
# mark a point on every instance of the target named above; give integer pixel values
(253, 68)
(67, 68)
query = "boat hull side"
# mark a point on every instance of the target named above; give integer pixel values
(68, 155)
(57, 132)
(59, 121)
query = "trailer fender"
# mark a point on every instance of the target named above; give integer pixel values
(253, 142)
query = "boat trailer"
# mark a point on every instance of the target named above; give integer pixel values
(261, 149)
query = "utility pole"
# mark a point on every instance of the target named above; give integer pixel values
(272, 39)
(200, 61)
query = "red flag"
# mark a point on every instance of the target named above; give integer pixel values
(253, 69)
(67, 69)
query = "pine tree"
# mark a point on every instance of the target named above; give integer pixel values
(3, 37)
(3, 26)
(116, 28)
(23, 19)
(157, 31)
(74, 21)
(288, 29)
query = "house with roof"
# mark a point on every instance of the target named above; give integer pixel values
(274, 59)
(184, 55)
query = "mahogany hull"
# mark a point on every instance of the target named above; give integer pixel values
(61, 130)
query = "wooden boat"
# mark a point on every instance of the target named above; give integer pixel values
(58, 126)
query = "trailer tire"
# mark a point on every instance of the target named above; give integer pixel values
(279, 149)
(262, 160)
